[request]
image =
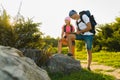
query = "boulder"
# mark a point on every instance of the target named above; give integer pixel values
(39, 57)
(63, 63)
(34, 54)
(14, 66)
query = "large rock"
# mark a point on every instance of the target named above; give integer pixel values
(63, 63)
(34, 54)
(39, 57)
(13, 66)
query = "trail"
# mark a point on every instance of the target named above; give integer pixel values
(103, 69)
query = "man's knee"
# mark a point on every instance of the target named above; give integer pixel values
(71, 36)
(89, 45)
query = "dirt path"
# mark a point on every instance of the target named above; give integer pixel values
(103, 69)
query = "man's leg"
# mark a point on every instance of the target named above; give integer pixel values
(88, 41)
(89, 58)
(71, 37)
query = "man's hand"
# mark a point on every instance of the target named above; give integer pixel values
(62, 38)
(78, 32)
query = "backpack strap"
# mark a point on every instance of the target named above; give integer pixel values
(77, 23)
(81, 16)
(71, 28)
(64, 28)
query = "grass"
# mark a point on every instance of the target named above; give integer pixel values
(103, 57)
(81, 75)
(109, 70)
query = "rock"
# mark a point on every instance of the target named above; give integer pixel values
(38, 56)
(13, 66)
(62, 63)
(34, 54)
(11, 51)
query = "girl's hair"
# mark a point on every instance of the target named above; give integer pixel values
(68, 18)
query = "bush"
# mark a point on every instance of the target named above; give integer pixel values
(108, 36)
(19, 34)
(80, 45)
(65, 50)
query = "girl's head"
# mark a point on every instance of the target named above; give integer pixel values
(67, 20)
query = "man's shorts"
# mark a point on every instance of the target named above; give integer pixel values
(87, 38)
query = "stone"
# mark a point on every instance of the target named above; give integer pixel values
(14, 66)
(39, 57)
(63, 63)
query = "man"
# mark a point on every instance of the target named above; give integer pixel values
(83, 33)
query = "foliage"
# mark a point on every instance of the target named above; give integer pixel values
(109, 36)
(27, 34)
(6, 35)
(79, 45)
(50, 41)
(19, 34)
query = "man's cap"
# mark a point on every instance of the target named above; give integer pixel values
(72, 12)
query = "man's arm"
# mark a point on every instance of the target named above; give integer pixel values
(88, 24)
(85, 30)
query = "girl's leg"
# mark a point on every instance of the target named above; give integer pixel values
(59, 46)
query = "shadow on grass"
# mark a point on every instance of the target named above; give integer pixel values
(80, 75)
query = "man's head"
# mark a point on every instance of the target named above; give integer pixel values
(73, 14)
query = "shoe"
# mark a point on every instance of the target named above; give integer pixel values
(89, 68)
(70, 54)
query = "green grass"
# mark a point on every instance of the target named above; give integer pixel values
(109, 70)
(103, 57)
(81, 75)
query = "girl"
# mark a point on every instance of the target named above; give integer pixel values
(66, 30)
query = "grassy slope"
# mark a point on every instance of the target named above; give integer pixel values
(103, 57)
(81, 75)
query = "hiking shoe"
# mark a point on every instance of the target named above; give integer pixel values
(89, 68)
(70, 54)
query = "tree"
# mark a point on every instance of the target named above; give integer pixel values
(20, 34)
(6, 35)
(27, 34)
(50, 41)
(109, 36)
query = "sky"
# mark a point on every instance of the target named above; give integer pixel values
(51, 13)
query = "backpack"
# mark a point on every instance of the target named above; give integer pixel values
(71, 28)
(92, 20)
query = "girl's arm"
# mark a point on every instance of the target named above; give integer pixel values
(62, 33)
